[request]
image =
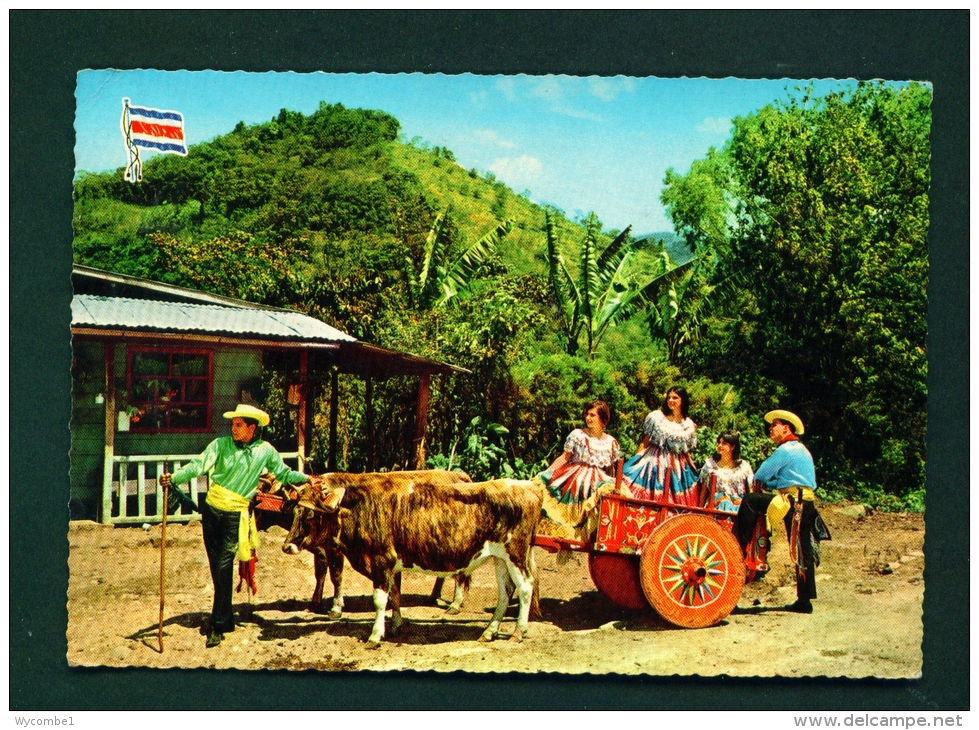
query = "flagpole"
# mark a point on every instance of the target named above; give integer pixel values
(134, 170)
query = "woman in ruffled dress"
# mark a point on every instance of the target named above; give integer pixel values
(662, 468)
(731, 475)
(579, 477)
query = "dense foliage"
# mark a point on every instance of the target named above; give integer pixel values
(797, 279)
(815, 219)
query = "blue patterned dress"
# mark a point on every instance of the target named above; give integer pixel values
(663, 470)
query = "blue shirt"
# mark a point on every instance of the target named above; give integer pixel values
(790, 465)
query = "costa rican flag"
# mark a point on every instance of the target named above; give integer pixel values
(155, 129)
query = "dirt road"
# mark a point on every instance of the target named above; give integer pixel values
(867, 620)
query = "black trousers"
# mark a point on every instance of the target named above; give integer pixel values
(755, 504)
(221, 544)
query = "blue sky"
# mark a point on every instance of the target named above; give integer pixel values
(581, 143)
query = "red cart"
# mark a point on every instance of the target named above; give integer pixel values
(683, 561)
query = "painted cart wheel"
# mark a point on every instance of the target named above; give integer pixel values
(617, 578)
(692, 571)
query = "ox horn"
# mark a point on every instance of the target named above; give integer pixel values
(331, 502)
(328, 502)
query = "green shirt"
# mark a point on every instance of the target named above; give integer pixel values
(238, 468)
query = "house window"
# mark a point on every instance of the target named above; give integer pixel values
(169, 390)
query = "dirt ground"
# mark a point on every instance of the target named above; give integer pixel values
(867, 620)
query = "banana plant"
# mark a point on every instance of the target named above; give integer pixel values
(603, 293)
(440, 280)
(676, 317)
(679, 316)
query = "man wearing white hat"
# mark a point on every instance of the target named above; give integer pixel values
(787, 478)
(234, 464)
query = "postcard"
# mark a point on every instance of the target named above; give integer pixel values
(546, 374)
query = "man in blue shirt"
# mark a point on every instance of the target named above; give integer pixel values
(788, 482)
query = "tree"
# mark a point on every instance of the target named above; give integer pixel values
(603, 293)
(678, 316)
(826, 210)
(440, 279)
(236, 265)
(700, 203)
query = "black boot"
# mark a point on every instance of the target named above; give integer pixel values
(803, 605)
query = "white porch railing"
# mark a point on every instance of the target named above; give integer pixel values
(126, 476)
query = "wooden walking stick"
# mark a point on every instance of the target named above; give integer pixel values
(163, 543)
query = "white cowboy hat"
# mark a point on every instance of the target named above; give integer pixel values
(788, 417)
(246, 411)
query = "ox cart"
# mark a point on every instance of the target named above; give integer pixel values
(684, 561)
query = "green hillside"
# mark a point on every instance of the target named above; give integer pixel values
(325, 189)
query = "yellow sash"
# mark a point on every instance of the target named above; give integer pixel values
(779, 506)
(227, 501)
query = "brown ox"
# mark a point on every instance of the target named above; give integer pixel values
(328, 560)
(387, 527)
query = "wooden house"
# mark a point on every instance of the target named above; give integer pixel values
(154, 367)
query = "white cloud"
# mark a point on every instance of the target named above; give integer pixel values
(607, 89)
(547, 87)
(508, 87)
(570, 111)
(556, 92)
(714, 125)
(517, 172)
(489, 136)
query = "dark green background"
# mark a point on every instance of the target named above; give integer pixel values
(48, 48)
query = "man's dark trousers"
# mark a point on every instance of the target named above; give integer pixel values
(755, 504)
(221, 543)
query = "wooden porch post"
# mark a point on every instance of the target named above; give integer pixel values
(369, 413)
(334, 408)
(302, 417)
(421, 420)
(110, 430)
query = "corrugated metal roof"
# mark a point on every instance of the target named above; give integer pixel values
(84, 277)
(143, 314)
